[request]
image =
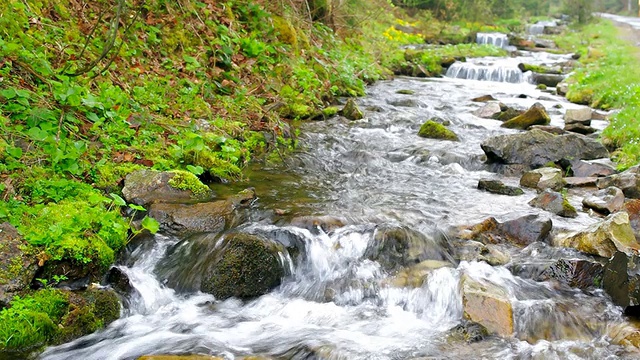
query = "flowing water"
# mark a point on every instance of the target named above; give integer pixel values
(337, 302)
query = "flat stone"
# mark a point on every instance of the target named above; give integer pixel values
(488, 305)
(489, 110)
(543, 178)
(579, 129)
(484, 98)
(536, 115)
(498, 187)
(143, 187)
(581, 115)
(628, 182)
(605, 201)
(555, 203)
(574, 182)
(580, 168)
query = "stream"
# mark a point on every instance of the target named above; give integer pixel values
(335, 303)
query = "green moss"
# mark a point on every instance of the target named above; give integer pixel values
(405, 92)
(216, 167)
(434, 130)
(541, 87)
(536, 115)
(286, 32)
(583, 96)
(90, 310)
(330, 111)
(184, 180)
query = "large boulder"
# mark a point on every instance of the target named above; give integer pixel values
(543, 178)
(396, 247)
(89, 311)
(536, 115)
(628, 182)
(143, 187)
(574, 272)
(536, 148)
(605, 238)
(435, 130)
(183, 219)
(498, 187)
(520, 232)
(555, 203)
(487, 304)
(18, 263)
(605, 201)
(243, 266)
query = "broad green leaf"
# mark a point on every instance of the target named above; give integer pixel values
(118, 200)
(150, 224)
(137, 207)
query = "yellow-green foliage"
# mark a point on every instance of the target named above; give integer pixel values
(184, 180)
(286, 32)
(434, 130)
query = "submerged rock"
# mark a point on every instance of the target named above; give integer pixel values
(468, 332)
(555, 203)
(243, 266)
(574, 272)
(395, 247)
(536, 115)
(488, 305)
(498, 187)
(605, 238)
(628, 182)
(414, 276)
(351, 110)
(325, 222)
(605, 201)
(621, 279)
(470, 250)
(183, 219)
(18, 263)
(435, 130)
(543, 178)
(143, 187)
(537, 148)
(484, 98)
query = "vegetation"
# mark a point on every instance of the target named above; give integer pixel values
(608, 80)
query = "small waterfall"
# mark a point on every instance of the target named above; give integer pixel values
(535, 29)
(497, 39)
(463, 70)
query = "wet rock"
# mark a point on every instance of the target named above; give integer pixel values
(605, 201)
(621, 279)
(183, 219)
(470, 250)
(562, 88)
(543, 178)
(394, 247)
(628, 181)
(415, 275)
(351, 110)
(605, 238)
(581, 168)
(468, 332)
(434, 130)
(484, 98)
(405, 92)
(498, 187)
(551, 80)
(89, 311)
(490, 110)
(574, 182)
(536, 115)
(488, 305)
(405, 102)
(554, 203)
(581, 115)
(520, 232)
(536, 148)
(632, 208)
(119, 281)
(577, 273)
(143, 187)
(18, 263)
(326, 223)
(243, 266)
(596, 115)
(508, 113)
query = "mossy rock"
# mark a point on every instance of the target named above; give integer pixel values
(582, 96)
(244, 266)
(286, 32)
(434, 130)
(18, 263)
(405, 92)
(184, 180)
(219, 169)
(89, 311)
(351, 110)
(536, 115)
(508, 114)
(538, 69)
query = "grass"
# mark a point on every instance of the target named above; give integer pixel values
(607, 80)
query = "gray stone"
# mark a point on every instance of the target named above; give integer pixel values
(579, 129)
(581, 168)
(632, 207)
(537, 148)
(18, 263)
(489, 110)
(574, 182)
(628, 181)
(555, 203)
(143, 187)
(498, 187)
(621, 279)
(543, 178)
(581, 115)
(551, 80)
(562, 88)
(351, 110)
(605, 201)
(520, 232)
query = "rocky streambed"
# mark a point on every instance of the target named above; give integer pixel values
(371, 242)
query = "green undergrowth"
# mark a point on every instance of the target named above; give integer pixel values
(608, 80)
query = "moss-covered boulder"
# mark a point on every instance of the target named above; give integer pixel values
(244, 266)
(143, 187)
(539, 69)
(536, 115)
(88, 312)
(498, 187)
(434, 130)
(18, 263)
(351, 110)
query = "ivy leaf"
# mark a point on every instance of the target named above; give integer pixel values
(196, 170)
(118, 200)
(150, 224)
(14, 151)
